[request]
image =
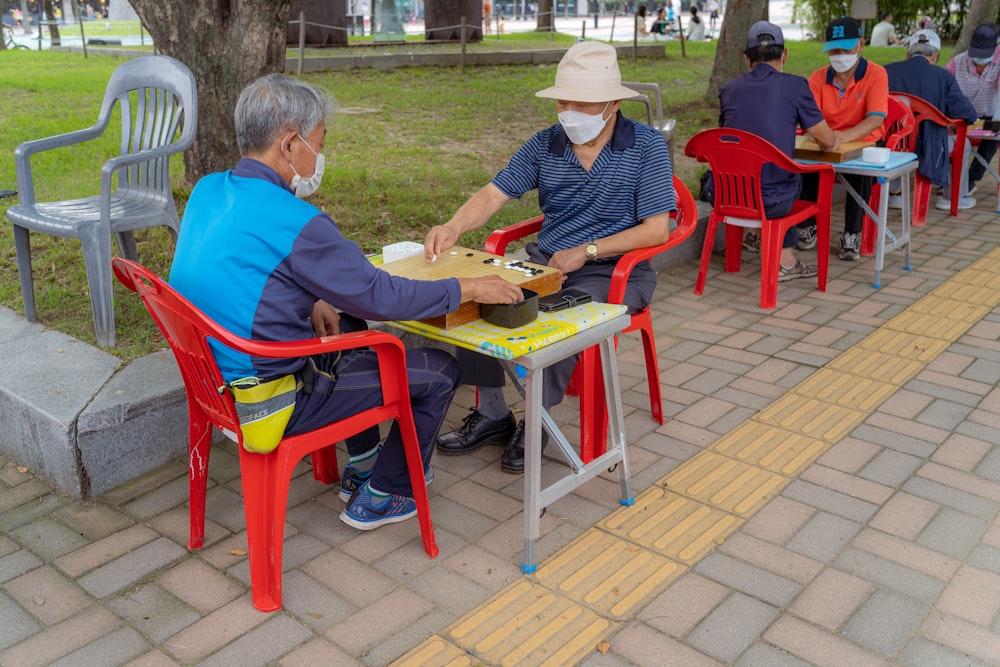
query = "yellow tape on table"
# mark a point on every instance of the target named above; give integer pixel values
(481, 336)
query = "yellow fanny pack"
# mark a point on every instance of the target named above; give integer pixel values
(264, 409)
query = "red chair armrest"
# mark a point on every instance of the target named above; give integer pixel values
(311, 346)
(686, 217)
(628, 261)
(497, 242)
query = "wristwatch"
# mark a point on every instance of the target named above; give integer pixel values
(591, 250)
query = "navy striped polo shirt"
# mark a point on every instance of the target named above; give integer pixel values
(629, 181)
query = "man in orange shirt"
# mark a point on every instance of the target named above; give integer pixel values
(487, 16)
(853, 94)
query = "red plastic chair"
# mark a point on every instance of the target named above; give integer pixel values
(587, 380)
(266, 477)
(736, 159)
(899, 131)
(924, 111)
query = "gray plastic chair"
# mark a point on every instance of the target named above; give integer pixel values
(159, 115)
(649, 94)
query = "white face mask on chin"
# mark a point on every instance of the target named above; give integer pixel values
(843, 63)
(303, 187)
(582, 127)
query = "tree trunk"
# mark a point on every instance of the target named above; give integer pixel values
(26, 19)
(544, 20)
(226, 45)
(740, 15)
(49, 8)
(980, 12)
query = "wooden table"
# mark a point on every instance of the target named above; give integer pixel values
(807, 149)
(467, 263)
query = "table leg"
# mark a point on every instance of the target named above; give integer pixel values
(907, 219)
(881, 221)
(991, 171)
(532, 467)
(616, 420)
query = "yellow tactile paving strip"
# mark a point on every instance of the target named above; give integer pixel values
(578, 596)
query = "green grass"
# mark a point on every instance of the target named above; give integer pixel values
(407, 149)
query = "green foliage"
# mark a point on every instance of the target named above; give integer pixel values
(948, 17)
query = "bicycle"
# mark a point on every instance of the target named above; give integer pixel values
(8, 39)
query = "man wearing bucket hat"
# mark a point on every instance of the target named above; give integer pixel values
(853, 94)
(772, 104)
(978, 74)
(919, 75)
(605, 187)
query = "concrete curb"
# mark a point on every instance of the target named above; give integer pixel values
(366, 59)
(77, 417)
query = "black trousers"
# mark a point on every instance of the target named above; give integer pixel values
(853, 213)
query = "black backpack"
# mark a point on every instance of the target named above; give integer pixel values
(706, 187)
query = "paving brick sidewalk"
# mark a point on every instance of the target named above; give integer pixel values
(885, 550)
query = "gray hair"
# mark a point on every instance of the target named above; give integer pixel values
(274, 104)
(922, 49)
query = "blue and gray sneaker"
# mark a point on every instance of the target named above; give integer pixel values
(363, 513)
(352, 479)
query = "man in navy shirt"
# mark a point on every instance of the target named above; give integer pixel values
(919, 75)
(264, 263)
(771, 104)
(605, 186)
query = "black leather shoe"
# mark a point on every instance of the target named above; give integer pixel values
(513, 456)
(476, 432)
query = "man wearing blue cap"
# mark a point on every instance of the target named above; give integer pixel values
(919, 75)
(853, 94)
(771, 104)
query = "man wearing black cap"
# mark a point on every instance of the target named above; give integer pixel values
(853, 94)
(978, 74)
(771, 104)
(919, 75)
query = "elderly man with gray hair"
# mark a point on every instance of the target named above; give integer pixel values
(264, 263)
(919, 75)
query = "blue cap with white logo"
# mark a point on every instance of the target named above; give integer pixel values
(843, 33)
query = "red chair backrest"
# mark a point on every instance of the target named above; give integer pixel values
(900, 126)
(737, 159)
(187, 330)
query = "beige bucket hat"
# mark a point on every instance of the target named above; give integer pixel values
(588, 73)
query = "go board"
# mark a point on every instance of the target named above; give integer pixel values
(466, 263)
(807, 149)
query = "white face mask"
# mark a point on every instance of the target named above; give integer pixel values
(843, 62)
(303, 187)
(582, 127)
(983, 61)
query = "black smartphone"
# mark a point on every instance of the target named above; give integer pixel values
(563, 299)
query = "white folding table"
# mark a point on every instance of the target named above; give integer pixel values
(532, 349)
(900, 165)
